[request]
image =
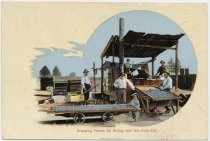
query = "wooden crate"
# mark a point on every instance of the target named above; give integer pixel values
(75, 98)
(75, 86)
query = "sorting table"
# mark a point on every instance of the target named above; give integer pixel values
(151, 96)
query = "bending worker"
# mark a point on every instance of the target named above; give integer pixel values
(167, 82)
(161, 69)
(135, 102)
(120, 84)
(86, 84)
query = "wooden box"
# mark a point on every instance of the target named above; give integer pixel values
(75, 98)
(177, 92)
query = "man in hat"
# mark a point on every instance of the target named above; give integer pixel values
(167, 82)
(86, 84)
(161, 69)
(128, 66)
(120, 84)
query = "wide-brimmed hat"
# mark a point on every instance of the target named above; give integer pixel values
(134, 94)
(85, 71)
(121, 74)
(167, 72)
(162, 61)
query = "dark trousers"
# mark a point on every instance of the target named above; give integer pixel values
(86, 91)
(121, 96)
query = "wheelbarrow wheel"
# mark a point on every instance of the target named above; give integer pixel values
(79, 118)
(107, 117)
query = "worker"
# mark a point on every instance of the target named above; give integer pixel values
(167, 86)
(135, 102)
(86, 84)
(161, 69)
(128, 66)
(120, 84)
(167, 82)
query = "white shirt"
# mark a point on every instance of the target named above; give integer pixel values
(167, 83)
(135, 102)
(85, 80)
(122, 83)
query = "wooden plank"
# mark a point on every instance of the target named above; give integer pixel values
(150, 46)
(93, 108)
(176, 65)
(173, 109)
(42, 98)
(186, 92)
(96, 111)
(75, 82)
(107, 46)
(145, 88)
(43, 93)
(177, 106)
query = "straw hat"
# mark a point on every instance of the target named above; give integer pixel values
(121, 74)
(162, 61)
(85, 71)
(167, 72)
(135, 94)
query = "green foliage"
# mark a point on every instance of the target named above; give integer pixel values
(171, 66)
(56, 72)
(44, 72)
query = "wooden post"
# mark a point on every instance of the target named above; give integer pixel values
(121, 45)
(177, 105)
(102, 75)
(94, 77)
(176, 65)
(113, 68)
(147, 102)
(153, 59)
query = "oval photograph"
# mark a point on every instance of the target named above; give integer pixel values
(137, 68)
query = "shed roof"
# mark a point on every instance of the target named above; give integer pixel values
(108, 64)
(140, 44)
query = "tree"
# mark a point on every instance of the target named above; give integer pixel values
(44, 72)
(56, 72)
(72, 74)
(171, 66)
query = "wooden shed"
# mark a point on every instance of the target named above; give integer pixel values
(138, 45)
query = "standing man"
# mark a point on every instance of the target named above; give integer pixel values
(128, 66)
(161, 69)
(86, 84)
(120, 84)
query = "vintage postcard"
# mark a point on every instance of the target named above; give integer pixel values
(122, 71)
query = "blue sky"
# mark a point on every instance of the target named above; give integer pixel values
(140, 21)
